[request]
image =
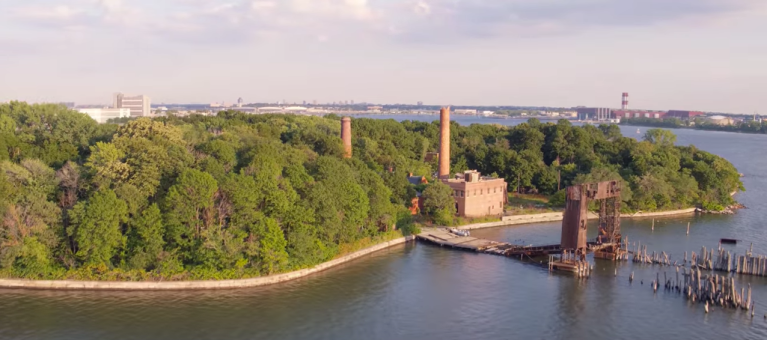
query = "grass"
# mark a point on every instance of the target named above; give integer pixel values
(523, 204)
(348, 248)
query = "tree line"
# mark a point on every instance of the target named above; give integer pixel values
(744, 126)
(239, 195)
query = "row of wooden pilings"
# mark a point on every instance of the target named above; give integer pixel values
(716, 290)
(747, 264)
(712, 290)
(719, 260)
(641, 256)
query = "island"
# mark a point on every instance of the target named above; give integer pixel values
(238, 196)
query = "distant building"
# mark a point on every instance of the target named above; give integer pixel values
(720, 120)
(684, 114)
(69, 105)
(140, 106)
(239, 102)
(105, 114)
(251, 110)
(465, 112)
(420, 103)
(477, 196)
(295, 109)
(594, 113)
(621, 114)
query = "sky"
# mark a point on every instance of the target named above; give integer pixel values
(708, 55)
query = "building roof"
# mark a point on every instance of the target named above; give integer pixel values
(415, 180)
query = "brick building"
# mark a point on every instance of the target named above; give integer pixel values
(477, 196)
(683, 114)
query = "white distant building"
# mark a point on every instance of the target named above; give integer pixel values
(140, 106)
(465, 112)
(295, 109)
(105, 114)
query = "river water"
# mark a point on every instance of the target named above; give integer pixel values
(419, 291)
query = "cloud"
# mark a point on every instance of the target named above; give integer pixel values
(427, 21)
(441, 20)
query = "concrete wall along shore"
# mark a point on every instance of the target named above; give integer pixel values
(558, 216)
(273, 279)
(195, 285)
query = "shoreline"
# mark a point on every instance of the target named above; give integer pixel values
(279, 278)
(195, 285)
(559, 216)
(690, 128)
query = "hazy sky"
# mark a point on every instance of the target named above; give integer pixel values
(669, 54)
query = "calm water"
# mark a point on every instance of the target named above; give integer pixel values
(419, 291)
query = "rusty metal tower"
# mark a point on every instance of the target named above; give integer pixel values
(608, 194)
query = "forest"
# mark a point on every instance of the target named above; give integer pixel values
(235, 195)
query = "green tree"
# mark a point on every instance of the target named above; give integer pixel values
(660, 137)
(189, 207)
(439, 203)
(146, 239)
(97, 233)
(272, 247)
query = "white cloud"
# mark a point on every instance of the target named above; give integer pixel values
(60, 12)
(440, 21)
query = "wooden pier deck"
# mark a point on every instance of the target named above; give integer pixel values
(445, 238)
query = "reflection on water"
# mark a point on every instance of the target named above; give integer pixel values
(419, 291)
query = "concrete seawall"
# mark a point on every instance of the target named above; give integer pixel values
(558, 216)
(192, 285)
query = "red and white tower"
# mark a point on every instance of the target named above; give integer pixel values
(625, 104)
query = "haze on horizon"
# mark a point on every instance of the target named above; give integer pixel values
(669, 54)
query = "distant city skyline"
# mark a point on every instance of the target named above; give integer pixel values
(681, 54)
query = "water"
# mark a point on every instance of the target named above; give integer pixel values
(419, 291)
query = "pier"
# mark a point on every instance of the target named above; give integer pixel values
(567, 262)
(573, 248)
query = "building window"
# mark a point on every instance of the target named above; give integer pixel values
(495, 189)
(475, 192)
(461, 193)
(481, 191)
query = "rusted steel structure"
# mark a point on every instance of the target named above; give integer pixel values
(576, 216)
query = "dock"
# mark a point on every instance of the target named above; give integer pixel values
(445, 238)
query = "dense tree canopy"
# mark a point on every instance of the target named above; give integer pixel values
(243, 195)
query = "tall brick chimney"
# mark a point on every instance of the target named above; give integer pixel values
(346, 136)
(444, 143)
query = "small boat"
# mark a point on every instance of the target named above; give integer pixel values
(459, 232)
(639, 132)
(728, 241)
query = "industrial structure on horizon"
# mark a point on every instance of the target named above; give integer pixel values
(606, 114)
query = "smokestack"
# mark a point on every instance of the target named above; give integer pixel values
(625, 104)
(444, 143)
(346, 136)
